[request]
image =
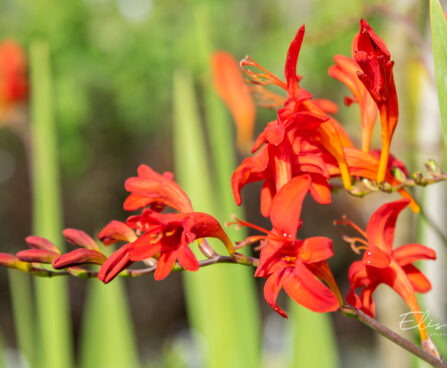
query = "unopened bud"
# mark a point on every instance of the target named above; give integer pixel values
(386, 187)
(150, 262)
(356, 191)
(11, 261)
(78, 257)
(398, 174)
(433, 168)
(37, 255)
(80, 238)
(370, 185)
(419, 178)
(206, 249)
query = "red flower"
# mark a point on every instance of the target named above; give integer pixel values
(383, 265)
(292, 264)
(374, 59)
(165, 236)
(345, 70)
(13, 81)
(233, 90)
(298, 111)
(151, 188)
(88, 253)
(306, 158)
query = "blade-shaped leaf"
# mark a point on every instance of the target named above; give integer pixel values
(439, 41)
(212, 296)
(54, 335)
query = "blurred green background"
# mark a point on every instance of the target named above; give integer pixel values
(112, 65)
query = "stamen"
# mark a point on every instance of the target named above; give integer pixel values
(347, 222)
(170, 233)
(352, 242)
(156, 238)
(257, 76)
(247, 224)
(249, 240)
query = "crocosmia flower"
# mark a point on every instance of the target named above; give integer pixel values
(305, 158)
(345, 70)
(163, 236)
(297, 111)
(297, 266)
(13, 81)
(374, 59)
(232, 89)
(381, 264)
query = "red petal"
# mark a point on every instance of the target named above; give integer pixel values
(410, 253)
(380, 229)
(187, 259)
(272, 288)
(292, 59)
(134, 202)
(143, 248)
(327, 106)
(316, 249)
(274, 132)
(165, 264)
(353, 299)
(358, 275)
(303, 287)
(37, 242)
(251, 169)
(417, 279)
(78, 257)
(268, 191)
(319, 189)
(157, 188)
(233, 90)
(117, 262)
(368, 305)
(116, 231)
(37, 255)
(286, 205)
(375, 257)
(80, 238)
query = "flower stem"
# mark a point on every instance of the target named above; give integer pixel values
(392, 336)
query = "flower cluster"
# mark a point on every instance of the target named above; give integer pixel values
(300, 152)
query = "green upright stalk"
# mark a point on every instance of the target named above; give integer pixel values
(312, 338)
(107, 339)
(212, 303)
(22, 307)
(439, 40)
(222, 143)
(54, 338)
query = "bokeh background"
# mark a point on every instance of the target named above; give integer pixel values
(119, 71)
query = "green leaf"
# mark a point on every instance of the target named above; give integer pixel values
(54, 334)
(312, 338)
(22, 308)
(439, 41)
(221, 142)
(214, 308)
(107, 336)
